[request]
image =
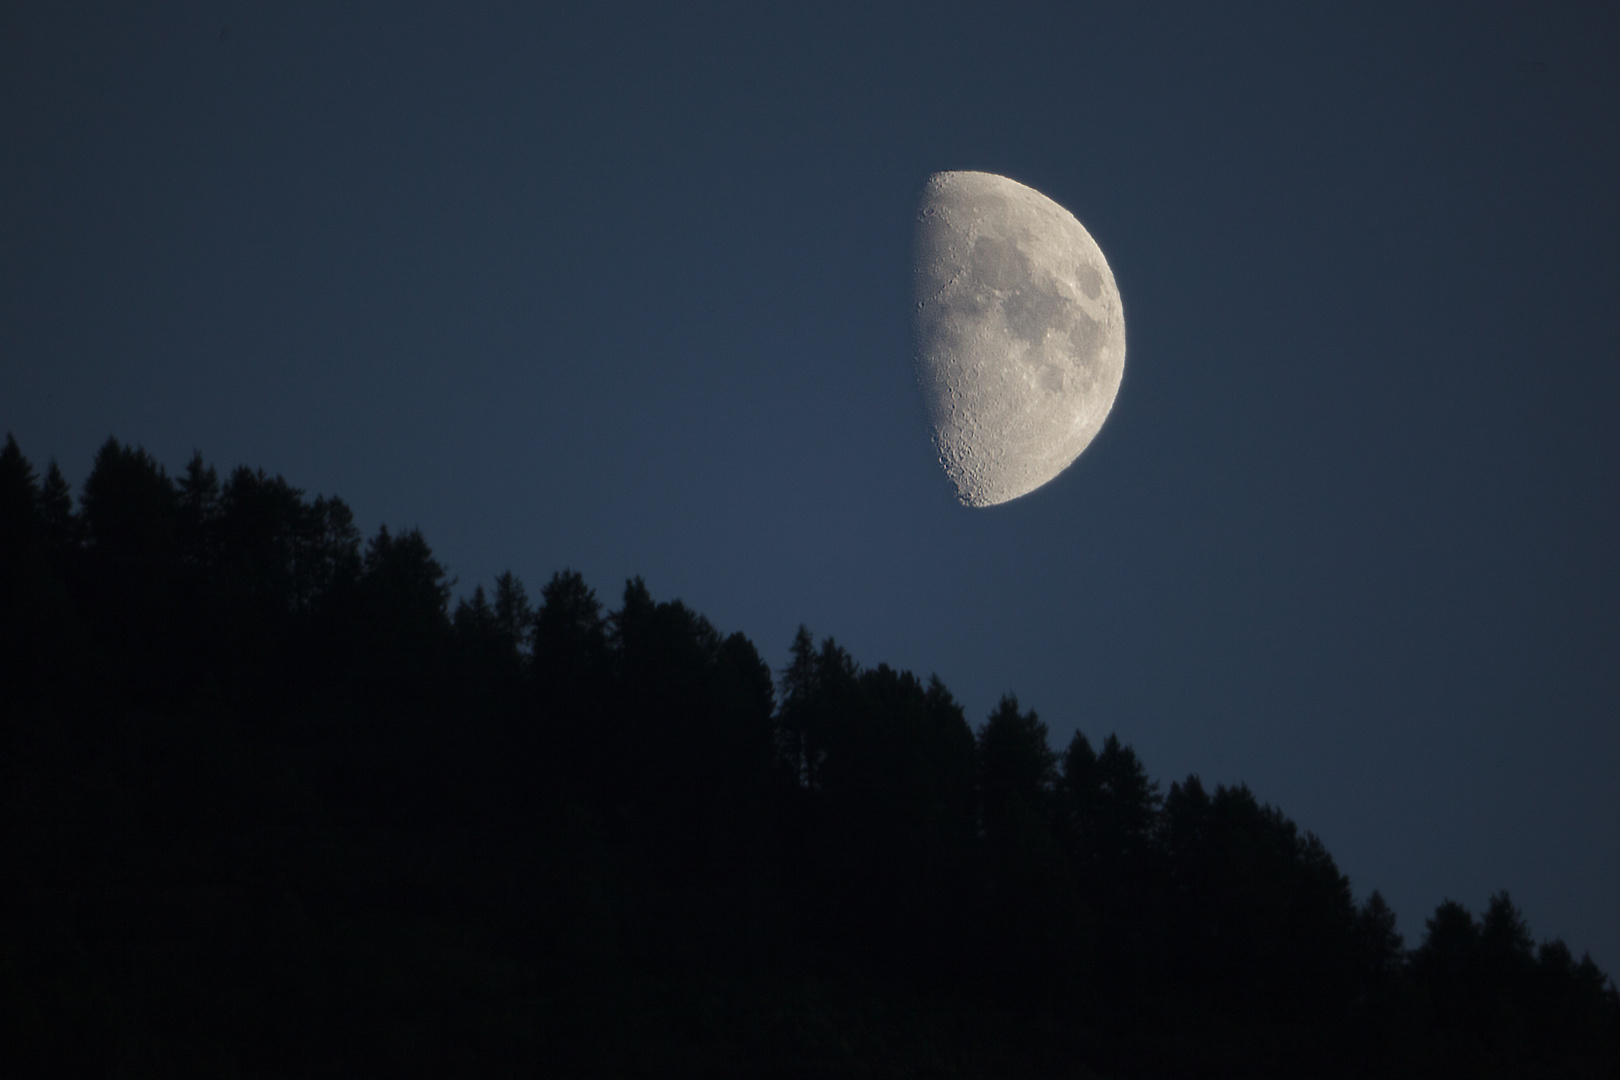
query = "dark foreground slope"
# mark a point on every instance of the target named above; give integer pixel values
(271, 808)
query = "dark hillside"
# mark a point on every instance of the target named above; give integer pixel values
(271, 807)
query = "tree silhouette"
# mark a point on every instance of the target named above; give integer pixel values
(199, 513)
(796, 737)
(402, 596)
(132, 565)
(496, 636)
(1038, 931)
(569, 742)
(1382, 949)
(19, 502)
(24, 568)
(62, 525)
(1017, 770)
(696, 719)
(513, 615)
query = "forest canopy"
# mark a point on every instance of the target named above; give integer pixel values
(272, 803)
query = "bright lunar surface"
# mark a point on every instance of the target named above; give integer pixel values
(1020, 333)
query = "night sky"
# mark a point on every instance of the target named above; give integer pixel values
(629, 292)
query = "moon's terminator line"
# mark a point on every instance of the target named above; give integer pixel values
(1020, 333)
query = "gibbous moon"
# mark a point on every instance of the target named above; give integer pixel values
(1020, 333)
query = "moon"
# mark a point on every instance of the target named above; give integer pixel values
(1020, 333)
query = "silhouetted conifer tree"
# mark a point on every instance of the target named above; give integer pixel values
(199, 512)
(569, 632)
(795, 737)
(19, 503)
(831, 712)
(697, 718)
(1017, 768)
(1079, 790)
(479, 635)
(24, 569)
(132, 565)
(1037, 931)
(571, 742)
(1446, 968)
(513, 615)
(61, 524)
(1127, 807)
(404, 588)
(1382, 949)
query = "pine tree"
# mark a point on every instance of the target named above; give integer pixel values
(793, 717)
(513, 615)
(62, 526)
(1382, 949)
(1017, 768)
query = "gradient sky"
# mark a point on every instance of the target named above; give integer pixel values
(629, 293)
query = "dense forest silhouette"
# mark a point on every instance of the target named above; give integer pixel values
(272, 806)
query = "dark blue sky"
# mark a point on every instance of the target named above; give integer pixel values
(629, 293)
